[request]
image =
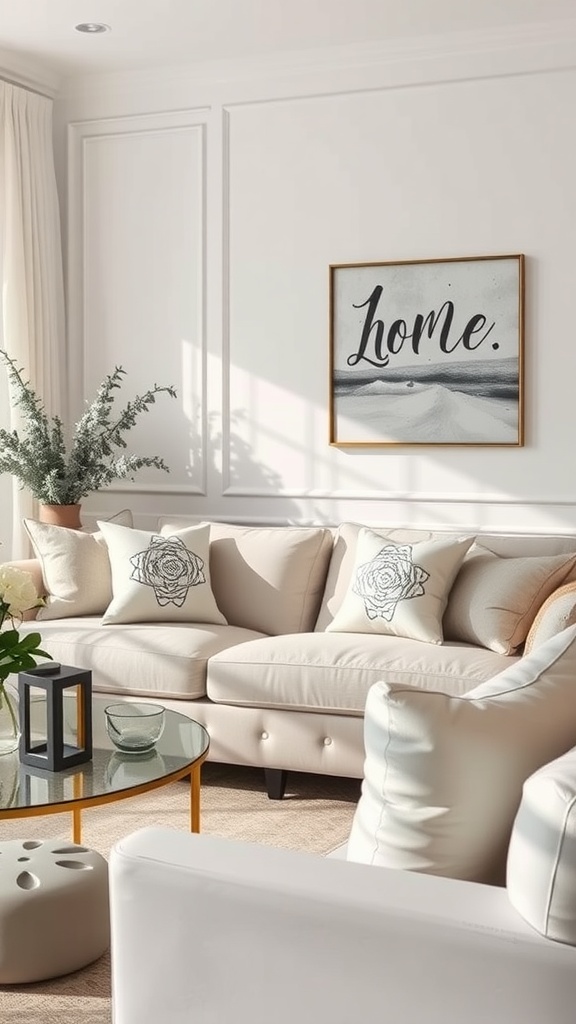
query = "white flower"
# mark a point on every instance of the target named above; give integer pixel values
(17, 590)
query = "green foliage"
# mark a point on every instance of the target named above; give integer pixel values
(57, 475)
(18, 654)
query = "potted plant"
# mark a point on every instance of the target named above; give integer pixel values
(58, 474)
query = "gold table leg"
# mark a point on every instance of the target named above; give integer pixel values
(78, 788)
(77, 827)
(195, 798)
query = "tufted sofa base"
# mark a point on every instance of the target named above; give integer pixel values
(273, 738)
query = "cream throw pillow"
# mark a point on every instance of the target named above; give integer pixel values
(399, 589)
(443, 775)
(160, 578)
(494, 600)
(75, 568)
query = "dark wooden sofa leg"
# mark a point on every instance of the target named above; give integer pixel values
(276, 779)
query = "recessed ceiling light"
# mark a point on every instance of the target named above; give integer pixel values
(92, 27)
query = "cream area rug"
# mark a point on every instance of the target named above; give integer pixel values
(315, 815)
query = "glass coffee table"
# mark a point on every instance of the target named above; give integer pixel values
(110, 776)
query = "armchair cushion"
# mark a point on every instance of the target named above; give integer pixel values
(443, 775)
(541, 870)
(205, 929)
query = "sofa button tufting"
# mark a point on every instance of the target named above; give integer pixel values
(327, 741)
(264, 736)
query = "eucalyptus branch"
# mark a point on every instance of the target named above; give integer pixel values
(39, 458)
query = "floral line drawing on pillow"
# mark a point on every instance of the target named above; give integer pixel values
(390, 577)
(170, 568)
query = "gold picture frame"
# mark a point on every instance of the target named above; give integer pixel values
(427, 352)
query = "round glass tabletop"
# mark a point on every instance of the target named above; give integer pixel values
(109, 775)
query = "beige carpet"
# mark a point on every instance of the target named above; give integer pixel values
(315, 815)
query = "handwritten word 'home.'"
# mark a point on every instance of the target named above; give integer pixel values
(376, 346)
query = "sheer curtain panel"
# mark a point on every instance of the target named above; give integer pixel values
(33, 289)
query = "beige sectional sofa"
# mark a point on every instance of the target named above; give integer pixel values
(271, 636)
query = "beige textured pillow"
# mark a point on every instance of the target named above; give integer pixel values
(557, 613)
(75, 568)
(494, 600)
(399, 589)
(443, 775)
(159, 578)
(271, 578)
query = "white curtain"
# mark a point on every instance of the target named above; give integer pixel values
(33, 289)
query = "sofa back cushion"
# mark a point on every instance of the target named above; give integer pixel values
(443, 775)
(541, 869)
(267, 578)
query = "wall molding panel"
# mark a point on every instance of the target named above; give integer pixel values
(204, 206)
(132, 305)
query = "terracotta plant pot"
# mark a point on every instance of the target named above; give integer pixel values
(61, 515)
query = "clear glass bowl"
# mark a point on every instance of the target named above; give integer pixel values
(134, 728)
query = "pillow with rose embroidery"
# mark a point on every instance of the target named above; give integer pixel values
(400, 589)
(160, 578)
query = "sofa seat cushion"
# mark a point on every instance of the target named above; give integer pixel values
(141, 659)
(334, 671)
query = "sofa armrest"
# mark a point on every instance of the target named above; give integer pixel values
(205, 929)
(34, 567)
(557, 613)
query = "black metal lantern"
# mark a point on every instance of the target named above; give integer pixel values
(51, 751)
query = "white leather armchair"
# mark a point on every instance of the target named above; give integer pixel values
(210, 931)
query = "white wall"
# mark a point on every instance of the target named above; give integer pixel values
(203, 208)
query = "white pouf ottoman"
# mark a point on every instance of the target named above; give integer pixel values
(54, 914)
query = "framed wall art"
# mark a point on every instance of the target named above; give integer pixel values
(427, 352)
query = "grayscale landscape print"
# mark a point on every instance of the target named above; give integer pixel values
(427, 353)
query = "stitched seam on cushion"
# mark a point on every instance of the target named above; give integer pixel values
(557, 863)
(128, 650)
(380, 669)
(530, 682)
(384, 780)
(307, 587)
(316, 709)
